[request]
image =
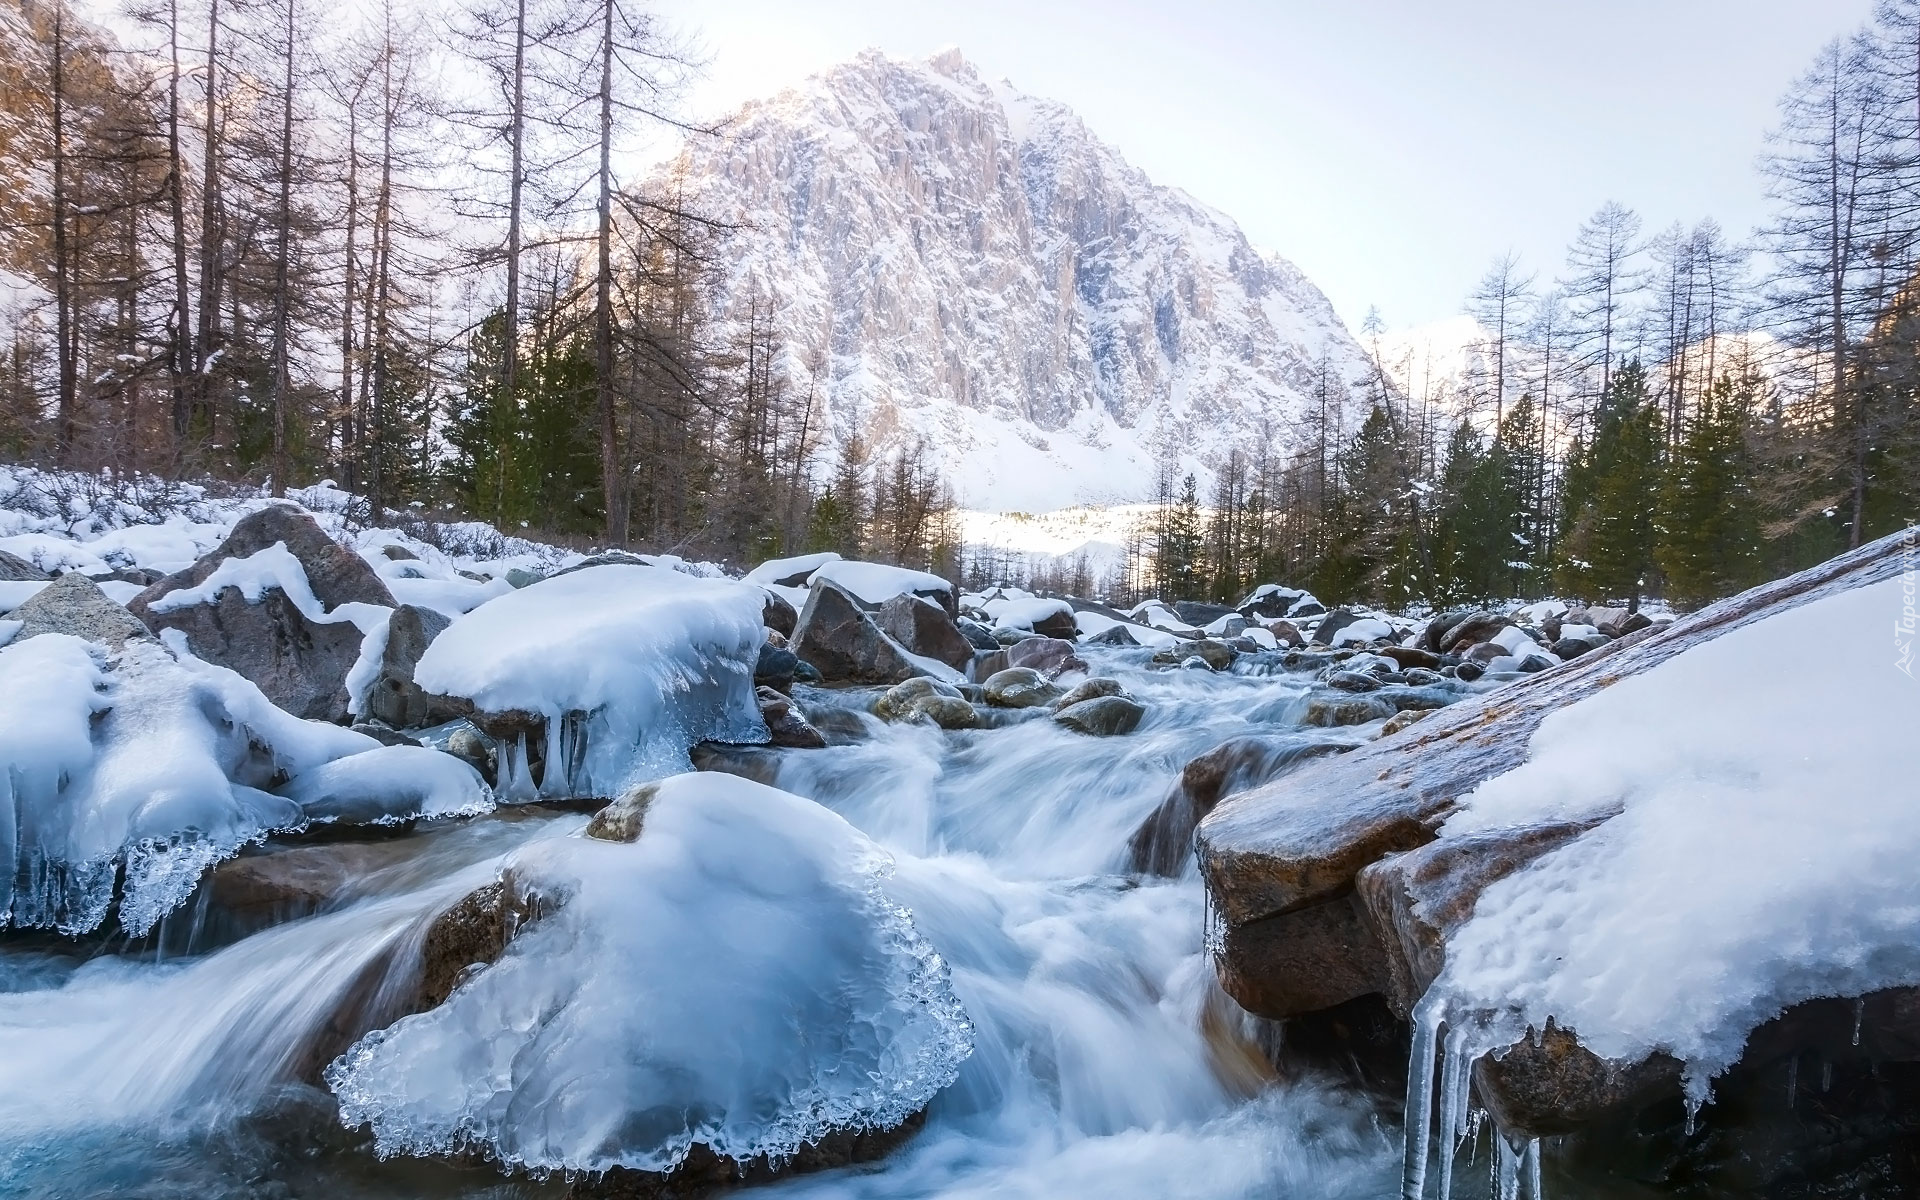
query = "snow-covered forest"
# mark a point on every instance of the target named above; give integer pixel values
(255, 243)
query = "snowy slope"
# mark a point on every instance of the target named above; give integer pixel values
(951, 259)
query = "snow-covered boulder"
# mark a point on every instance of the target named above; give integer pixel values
(873, 584)
(588, 1045)
(612, 672)
(1048, 618)
(1272, 601)
(790, 572)
(281, 603)
(1619, 849)
(842, 640)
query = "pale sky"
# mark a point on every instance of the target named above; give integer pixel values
(1392, 148)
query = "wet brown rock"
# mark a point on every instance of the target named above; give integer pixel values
(1161, 845)
(841, 640)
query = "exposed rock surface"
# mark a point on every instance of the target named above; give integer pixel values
(924, 628)
(843, 642)
(74, 604)
(1162, 843)
(301, 665)
(394, 697)
(1020, 687)
(1102, 716)
(14, 569)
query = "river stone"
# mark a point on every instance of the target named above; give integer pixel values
(785, 724)
(1051, 656)
(1329, 712)
(979, 636)
(394, 697)
(1402, 719)
(1199, 615)
(15, 569)
(1090, 689)
(1218, 656)
(1408, 657)
(74, 604)
(301, 665)
(1020, 687)
(1102, 716)
(1113, 635)
(1331, 624)
(776, 667)
(1164, 840)
(840, 639)
(758, 763)
(1470, 630)
(924, 628)
(1275, 853)
(1353, 681)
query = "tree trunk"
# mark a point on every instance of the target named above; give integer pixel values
(612, 483)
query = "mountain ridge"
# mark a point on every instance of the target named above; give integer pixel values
(955, 261)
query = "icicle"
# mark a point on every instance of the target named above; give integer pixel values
(1859, 1017)
(1453, 1087)
(1693, 1110)
(1506, 1170)
(1793, 1079)
(516, 778)
(1826, 1075)
(1419, 1116)
(1530, 1169)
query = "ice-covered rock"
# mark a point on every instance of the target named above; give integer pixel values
(618, 668)
(790, 572)
(145, 766)
(589, 1044)
(388, 785)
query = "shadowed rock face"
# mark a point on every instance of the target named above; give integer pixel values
(394, 697)
(1164, 840)
(74, 604)
(1332, 888)
(300, 665)
(924, 628)
(843, 642)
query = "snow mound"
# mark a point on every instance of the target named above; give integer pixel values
(1024, 614)
(274, 567)
(627, 665)
(1760, 851)
(1366, 629)
(877, 583)
(776, 569)
(147, 767)
(593, 1043)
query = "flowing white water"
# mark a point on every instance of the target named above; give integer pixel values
(1106, 1061)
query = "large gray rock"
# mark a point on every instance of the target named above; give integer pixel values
(843, 642)
(924, 628)
(14, 569)
(300, 664)
(1102, 716)
(394, 697)
(75, 605)
(1020, 687)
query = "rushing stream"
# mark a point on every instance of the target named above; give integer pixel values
(1106, 1062)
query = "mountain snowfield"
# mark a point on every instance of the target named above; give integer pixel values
(954, 261)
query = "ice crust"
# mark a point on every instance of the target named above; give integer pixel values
(149, 766)
(1760, 851)
(628, 665)
(737, 977)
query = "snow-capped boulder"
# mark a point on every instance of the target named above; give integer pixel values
(846, 645)
(1362, 632)
(582, 1043)
(1741, 860)
(790, 572)
(925, 629)
(1046, 617)
(873, 584)
(14, 569)
(1271, 601)
(281, 603)
(607, 675)
(388, 785)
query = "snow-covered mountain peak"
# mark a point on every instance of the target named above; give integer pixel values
(954, 261)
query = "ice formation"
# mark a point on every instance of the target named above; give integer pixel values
(392, 783)
(1759, 853)
(736, 977)
(151, 764)
(627, 665)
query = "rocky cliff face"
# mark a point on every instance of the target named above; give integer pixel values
(950, 259)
